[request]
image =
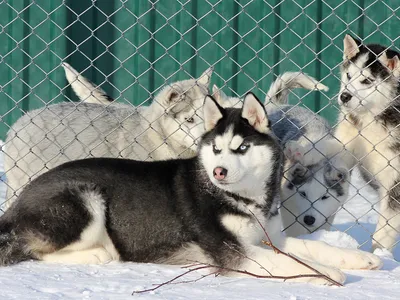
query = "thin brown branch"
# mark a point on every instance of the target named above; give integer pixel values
(197, 279)
(171, 280)
(265, 232)
(266, 276)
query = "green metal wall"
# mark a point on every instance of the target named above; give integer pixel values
(131, 47)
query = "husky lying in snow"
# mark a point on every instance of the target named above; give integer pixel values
(203, 209)
(47, 137)
(368, 127)
(311, 194)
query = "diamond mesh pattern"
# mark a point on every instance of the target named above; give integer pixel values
(134, 48)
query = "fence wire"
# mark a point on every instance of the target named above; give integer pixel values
(150, 54)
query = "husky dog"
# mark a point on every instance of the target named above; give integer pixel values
(207, 209)
(311, 194)
(367, 133)
(47, 137)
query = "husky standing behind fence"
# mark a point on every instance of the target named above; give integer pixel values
(311, 194)
(205, 209)
(49, 136)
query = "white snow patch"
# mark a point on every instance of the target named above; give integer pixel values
(334, 238)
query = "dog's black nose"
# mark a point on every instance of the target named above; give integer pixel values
(345, 97)
(309, 220)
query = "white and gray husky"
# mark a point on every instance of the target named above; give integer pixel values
(49, 136)
(368, 133)
(204, 209)
(313, 193)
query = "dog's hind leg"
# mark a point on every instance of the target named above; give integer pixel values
(94, 245)
(68, 226)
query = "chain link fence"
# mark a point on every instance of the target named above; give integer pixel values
(139, 53)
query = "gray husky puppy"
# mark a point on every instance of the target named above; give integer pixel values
(49, 136)
(368, 127)
(206, 209)
(313, 193)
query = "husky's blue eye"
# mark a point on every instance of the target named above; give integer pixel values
(324, 197)
(243, 148)
(348, 76)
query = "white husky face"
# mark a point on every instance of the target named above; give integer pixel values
(181, 112)
(310, 196)
(246, 163)
(367, 84)
(237, 152)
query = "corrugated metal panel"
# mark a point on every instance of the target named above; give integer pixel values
(132, 48)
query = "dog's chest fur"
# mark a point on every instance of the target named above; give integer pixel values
(248, 225)
(375, 143)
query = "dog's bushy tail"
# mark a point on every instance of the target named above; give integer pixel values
(279, 90)
(84, 88)
(12, 246)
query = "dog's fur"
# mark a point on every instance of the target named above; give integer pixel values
(175, 211)
(47, 137)
(311, 194)
(367, 133)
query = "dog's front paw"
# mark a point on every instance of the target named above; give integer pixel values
(294, 151)
(357, 260)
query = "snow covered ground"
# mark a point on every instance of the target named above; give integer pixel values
(34, 280)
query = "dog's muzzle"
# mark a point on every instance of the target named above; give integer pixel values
(345, 97)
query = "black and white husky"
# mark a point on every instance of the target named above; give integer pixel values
(203, 209)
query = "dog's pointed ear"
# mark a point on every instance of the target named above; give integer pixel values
(350, 47)
(212, 112)
(393, 64)
(205, 77)
(254, 112)
(173, 95)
